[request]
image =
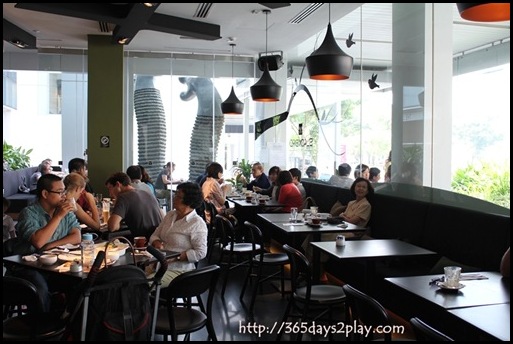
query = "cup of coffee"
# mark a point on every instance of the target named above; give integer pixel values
(262, 200)
(316, 220)
(140, 241)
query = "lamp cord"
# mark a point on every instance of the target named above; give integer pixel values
(266, 26)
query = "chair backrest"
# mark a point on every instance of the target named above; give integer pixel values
(118, 306)
(300, 270)
(309, 202)
(191, 284)
(256, 238)
(18, 292)
(366, 310)
(424, 332)
(210, 213)
(226, 229)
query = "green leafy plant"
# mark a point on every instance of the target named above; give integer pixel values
(16, 157)
(241, 173)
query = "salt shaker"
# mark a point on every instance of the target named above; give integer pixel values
(341, 240)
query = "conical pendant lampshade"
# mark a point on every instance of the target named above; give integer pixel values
(329, 62)
(265, 89)
(484, 12)
(232, 104)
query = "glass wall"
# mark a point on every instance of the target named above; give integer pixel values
(441, 107)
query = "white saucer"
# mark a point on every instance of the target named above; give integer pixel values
(446, 287)
(313, 224)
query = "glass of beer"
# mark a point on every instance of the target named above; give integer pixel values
(105, 210)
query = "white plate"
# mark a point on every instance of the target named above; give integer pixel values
(342, 225)
(446, 287)
(67, 257)
(69, 247)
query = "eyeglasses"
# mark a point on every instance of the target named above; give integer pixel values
(60, 193)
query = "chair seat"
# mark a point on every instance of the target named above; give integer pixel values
(322, 294)
(186, 320)
(272, 259)
(34, 326)
(241, 247)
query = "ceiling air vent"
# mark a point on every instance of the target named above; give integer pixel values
(307, 12)
(203, 10)
(104, 26)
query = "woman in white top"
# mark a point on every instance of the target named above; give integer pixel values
(182, 230)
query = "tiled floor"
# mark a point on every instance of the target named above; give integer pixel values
(231, 318)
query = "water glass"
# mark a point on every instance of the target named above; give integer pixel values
(293, 214)
(452, 276)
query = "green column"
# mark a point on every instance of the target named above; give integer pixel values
(105, 110)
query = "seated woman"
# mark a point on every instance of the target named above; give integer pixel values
(87, 212)
(289, 194)
(357, 212)
(182, 230)
(214, 189)
(271, 191)
(44, 167)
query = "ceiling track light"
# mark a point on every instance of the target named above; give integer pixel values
(232, 104)
(266, 89)
(329, 61)
(484, 12)
(123, 40)
(19, 44)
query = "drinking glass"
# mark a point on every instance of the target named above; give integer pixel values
(293, 214)
(105, 211)
(452, 276)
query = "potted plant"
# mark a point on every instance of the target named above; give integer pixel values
(241, 173)
(15, 158)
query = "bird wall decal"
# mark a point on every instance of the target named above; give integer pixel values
(349, 41)
(372, 81)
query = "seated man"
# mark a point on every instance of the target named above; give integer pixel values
(47, 223)
(139, 209)
(260, 180)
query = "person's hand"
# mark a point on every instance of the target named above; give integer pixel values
(64, 208)
(257, 189)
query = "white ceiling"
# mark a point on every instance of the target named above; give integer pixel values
(245, 24)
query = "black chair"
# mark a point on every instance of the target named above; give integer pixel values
(310, 302)
(236, 249)
(262, 260)
(367, 311)
(182, 318)
(213, 235)
(24, 315)
(424, 332)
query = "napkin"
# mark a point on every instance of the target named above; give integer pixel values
(31, 258)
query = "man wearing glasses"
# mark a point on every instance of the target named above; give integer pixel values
(47, 223)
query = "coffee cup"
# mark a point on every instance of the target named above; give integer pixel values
(261, 200)
(316, 220)
(140, 241)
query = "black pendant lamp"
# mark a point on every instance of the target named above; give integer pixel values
(329, 61)
(232, 104)
(265, 89)
(484, 12)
